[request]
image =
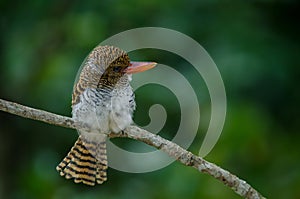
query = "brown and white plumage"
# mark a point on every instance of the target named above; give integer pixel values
(81, 164)
(103, 99)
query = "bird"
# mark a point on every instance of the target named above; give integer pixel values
(103, 99)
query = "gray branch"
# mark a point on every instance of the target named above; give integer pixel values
(241, 187)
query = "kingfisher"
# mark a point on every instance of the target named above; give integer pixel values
(104, 100)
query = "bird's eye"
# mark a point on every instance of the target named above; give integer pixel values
(117, 68)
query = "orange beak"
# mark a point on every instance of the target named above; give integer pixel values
(136, 67)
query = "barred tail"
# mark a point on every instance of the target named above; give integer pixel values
(86, 162)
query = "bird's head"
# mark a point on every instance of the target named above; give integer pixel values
(114, 63)
(104, 67)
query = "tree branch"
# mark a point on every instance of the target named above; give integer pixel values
(185, 157)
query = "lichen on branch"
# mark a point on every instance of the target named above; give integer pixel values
(240, 186)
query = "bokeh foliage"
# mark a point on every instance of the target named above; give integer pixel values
(254, 44)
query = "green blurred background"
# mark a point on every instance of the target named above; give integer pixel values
(255, 46)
